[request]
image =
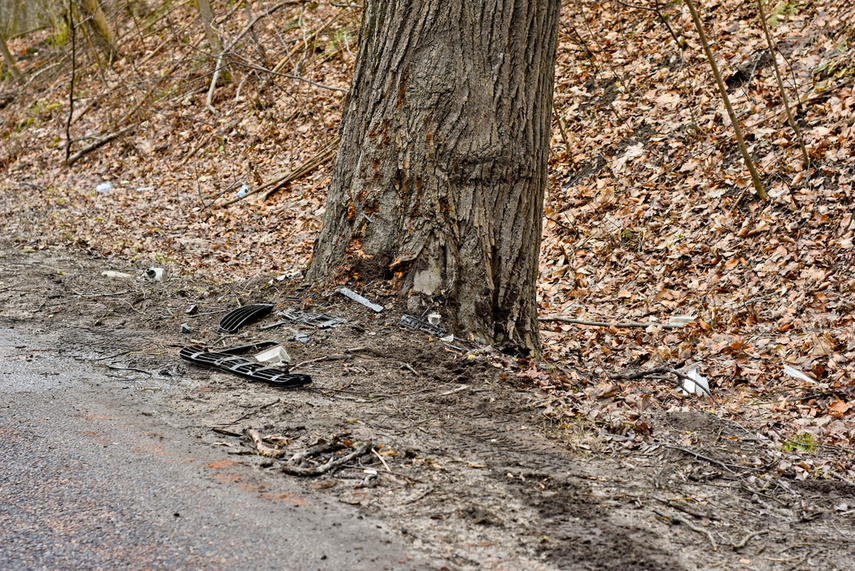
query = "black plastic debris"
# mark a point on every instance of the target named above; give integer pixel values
(359, 299)
(417, 324)
(227, 360)
(237, 318)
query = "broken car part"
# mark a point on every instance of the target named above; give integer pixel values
(227, 361)
(155, 274)
(237, 318)
(274, 356)
(359, 299)
(417, 324)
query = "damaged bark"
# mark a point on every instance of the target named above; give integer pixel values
(442, 165)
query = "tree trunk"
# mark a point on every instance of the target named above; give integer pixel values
(9, 61)
(208, 19)
(98, 22)
(442, 166)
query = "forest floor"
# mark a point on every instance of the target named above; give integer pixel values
(464, 464)
(650, 216)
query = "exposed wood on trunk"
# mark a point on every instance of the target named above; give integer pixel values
(441, 170)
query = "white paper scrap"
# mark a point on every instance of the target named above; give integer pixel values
(697, 385)
(796, 374)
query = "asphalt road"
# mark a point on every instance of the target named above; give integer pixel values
(91, 480)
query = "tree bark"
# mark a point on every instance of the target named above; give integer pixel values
(208, 19)
(9, 61)
(441, 171)
(98, 22)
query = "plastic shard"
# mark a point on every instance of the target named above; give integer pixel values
(359, 299)
(697, 385)
(237, 318)
(417, 324)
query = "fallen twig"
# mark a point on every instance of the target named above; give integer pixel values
(382, 460)
(263, 448)
(78, 294)
(115, 368)
(680, 519)
(452, 391)
(100, 143)
(748, 538)
(623, 324)
(328, 466)
(418, 497)
(225, 432)
(271, 186)
(284, 61)
(333, 357)
(701, 456)
(683, 509)
(660, 370)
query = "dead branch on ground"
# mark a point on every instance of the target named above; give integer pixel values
(263, 448)
(100, 143)
(270, 187)
(329, 465)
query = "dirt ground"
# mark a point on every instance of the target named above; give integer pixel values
(463, 461)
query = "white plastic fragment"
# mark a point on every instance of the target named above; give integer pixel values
(117, 275)
(681, 320)
(155, 274)
(433, 318)
(104, 187)
(796, 374)
(698, 384)
(359, 299)
(274, 356)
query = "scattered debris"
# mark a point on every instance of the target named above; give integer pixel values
(274, 356)
(695, 384)
(237, 318)
(417, 324)
(226, 360)
(797, 374)
(319, 320)
(359, 299)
